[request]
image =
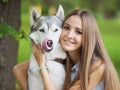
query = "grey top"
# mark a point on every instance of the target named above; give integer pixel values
(74, 69)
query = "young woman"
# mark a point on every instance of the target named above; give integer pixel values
(88, 66)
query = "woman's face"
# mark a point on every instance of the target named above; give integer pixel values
(71, 36)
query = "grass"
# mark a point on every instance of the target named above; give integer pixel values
(109, 30)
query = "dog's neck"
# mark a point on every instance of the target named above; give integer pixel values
(61, 61)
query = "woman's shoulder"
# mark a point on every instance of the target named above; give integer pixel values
(96, 64)
(96, 72)
(20, 68)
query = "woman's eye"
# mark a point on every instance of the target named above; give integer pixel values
(78, 32)
(42, 30)
(66, 28)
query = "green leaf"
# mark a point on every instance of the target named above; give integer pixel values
(6, 29)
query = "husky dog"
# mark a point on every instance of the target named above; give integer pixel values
(46, 30)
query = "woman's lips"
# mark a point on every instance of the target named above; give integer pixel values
(68, 42)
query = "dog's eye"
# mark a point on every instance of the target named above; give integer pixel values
(55, 30)
(42, 30)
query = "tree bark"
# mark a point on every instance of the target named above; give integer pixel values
(10, 14)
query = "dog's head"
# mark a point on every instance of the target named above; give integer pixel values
(46, 30)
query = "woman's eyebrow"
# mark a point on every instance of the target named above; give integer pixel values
(66, 24)
(79, 28)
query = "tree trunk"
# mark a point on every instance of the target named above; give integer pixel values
(10, 14)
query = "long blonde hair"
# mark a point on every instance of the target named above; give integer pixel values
(92, 45)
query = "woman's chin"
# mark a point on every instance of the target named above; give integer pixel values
(67, 49)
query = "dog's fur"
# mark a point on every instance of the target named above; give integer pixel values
(43, 30)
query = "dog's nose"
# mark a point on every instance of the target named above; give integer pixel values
(49, 43)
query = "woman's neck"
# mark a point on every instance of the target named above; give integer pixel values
(74, 56)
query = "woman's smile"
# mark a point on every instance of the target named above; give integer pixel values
(69, 42)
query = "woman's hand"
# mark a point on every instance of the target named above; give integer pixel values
(39, 55)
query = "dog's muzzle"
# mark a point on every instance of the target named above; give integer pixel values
(47, 44)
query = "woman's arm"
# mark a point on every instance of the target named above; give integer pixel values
(76, 86)
(48, 85)
(40, 58)
(97, 72)
(20, 73)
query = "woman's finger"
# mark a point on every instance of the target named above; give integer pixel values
(40, 48)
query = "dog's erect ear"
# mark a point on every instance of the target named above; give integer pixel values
(60, 12)
(34, 15)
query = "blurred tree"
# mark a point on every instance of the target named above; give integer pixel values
(9, 14)
(109, 8)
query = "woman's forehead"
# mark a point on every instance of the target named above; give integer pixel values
(75, 21)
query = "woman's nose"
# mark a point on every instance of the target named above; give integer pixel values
(70, 34)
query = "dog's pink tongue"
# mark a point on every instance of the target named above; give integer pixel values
(47, 44)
